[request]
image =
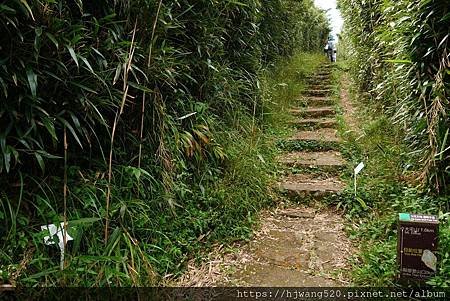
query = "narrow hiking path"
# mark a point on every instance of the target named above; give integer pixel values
(304, 245)
(301, 243)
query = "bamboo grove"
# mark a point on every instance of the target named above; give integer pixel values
(121, 117)
(402, 64)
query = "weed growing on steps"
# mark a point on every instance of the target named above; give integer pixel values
(386, 186)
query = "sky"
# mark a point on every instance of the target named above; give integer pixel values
(333, 14)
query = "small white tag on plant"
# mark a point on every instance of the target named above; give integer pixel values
(359, 168)
(59, 232)
(357, 171)
(53, 230)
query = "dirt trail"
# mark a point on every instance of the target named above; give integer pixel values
(301, 245)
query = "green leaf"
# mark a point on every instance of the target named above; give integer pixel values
(83, 221)
(399, 61)
(116, 76)
(47, 155)
(84, 87)
(139, 87)
(27, 6)
(86, 62)
(41, 274)
(5, 88)
(40, 161)
(98, 52)
(53, 39)
(361, 202)
(74, 134)
(50, 127)
(7, 158)
(32, 81)
(6, 8)
(445, 18)
(73, 55)
(443, 40)
(237, 3)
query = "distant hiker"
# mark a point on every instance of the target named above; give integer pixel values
(330, 50)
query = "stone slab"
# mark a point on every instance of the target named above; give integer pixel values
(313, 159)
(303, 184)
(320, 135)
(312, 112)
(318, 92)
(315, 123)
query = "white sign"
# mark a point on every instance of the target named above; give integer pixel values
(359, 168)
(60, 232)
(357, 171)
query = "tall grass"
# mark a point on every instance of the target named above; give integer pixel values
(158, 100)
(399, 63)
(400, 56)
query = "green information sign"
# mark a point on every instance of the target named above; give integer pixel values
(417, 245)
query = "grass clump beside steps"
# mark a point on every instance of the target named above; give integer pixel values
(140, 123)
(388, 185)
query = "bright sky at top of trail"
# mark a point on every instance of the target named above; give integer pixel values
(333, 14)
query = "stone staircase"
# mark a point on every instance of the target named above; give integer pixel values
(304, 243)
(315, 123)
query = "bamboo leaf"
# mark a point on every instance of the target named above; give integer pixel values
(117, 74)
(7, 158)
(53, 39)
(399, 61)
(5, 88)
(40, 161)
(32, 81)
(27, 6)
(6, 8)
(74, 134)
(50, 127)
(86, 62)
(73, 55)
(47, 155)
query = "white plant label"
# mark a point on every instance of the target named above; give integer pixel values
(357, 171)
(59, 231)
(359, 168)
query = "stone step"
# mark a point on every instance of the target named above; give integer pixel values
(304, 185)
(320, 81)
(258, 274)
(323, 72)
(312, 112)
(329, 159)
(321, 86)
(315, 123)
(316, 101)
(318, 78)
(317, 92)
(319, 135)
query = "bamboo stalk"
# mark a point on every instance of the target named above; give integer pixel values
(116, 121)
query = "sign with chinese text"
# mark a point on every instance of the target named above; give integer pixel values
(417, 245)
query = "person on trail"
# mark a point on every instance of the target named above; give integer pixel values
(330, 50)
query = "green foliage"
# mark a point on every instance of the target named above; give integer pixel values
(174, 90)
(399, 57)
(385, 187)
